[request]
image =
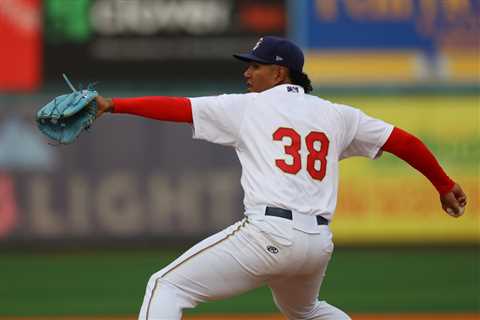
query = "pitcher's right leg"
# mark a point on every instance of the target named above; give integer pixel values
(218, 267)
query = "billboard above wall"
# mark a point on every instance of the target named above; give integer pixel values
(157, 39)
(388, 41)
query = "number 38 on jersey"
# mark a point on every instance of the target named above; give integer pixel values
(317, 145)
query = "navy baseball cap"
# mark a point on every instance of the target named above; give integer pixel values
(275, 50)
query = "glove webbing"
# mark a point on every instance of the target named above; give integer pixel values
(90, 86)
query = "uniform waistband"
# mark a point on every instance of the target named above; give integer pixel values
(287, 214)
(312, 224)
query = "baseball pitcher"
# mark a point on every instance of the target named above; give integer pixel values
(289, 144)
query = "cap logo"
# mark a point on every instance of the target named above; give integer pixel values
(259, 42)
(278, 58)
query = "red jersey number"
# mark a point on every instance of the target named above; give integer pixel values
(315, 154)
(292, 150)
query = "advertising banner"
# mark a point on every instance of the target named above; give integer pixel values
(386, 201)
(138, 179)
(155, 39)
(405, 41)
(21, 45)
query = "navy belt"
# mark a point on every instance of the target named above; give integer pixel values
(287, 214)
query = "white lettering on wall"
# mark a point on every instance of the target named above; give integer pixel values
(80, 204)
(162, 203)
(222, 188)
(188, 207)
(45, 221)
(146, 17)
(189, 204)
(118, 203)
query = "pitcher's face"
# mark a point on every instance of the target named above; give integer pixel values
(261, 77)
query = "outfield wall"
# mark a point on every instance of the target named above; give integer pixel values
(136, 179)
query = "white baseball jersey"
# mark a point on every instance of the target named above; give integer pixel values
(289, 144)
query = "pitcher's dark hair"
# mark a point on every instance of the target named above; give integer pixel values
(301, 79)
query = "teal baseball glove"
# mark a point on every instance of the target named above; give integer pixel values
(64, 118)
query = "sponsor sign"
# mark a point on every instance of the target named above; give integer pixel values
(386, 201)
(427, 25)
(155, 38)
(385, 41)
(20, 42)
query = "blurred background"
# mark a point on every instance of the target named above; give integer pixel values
(83, 226)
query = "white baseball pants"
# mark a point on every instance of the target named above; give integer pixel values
(255, 251)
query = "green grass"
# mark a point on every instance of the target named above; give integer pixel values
(358, 280)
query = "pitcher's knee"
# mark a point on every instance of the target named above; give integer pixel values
(325, 311)
(336, 315)
(166, 301)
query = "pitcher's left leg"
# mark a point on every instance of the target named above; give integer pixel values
(297, 299)
(297, 295)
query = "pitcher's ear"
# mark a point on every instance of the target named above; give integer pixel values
(283, 74)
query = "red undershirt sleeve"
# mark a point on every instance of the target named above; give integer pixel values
(176, 109)
(410, 149)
